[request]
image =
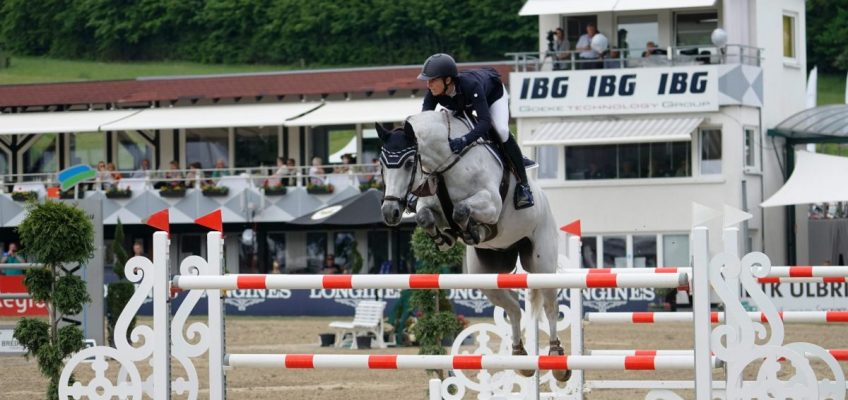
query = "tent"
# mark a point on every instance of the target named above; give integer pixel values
(817, 178)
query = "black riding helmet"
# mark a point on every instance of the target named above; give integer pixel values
(438, 66)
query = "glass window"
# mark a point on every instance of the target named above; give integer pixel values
(316, 250)
(695, 29)
(276, 252)
(644, 251)
(546, 156)
(87, 148)
(406, 262)
(788, 36)
(132, 148)
(370, 146)
(589, 251)
(750, 147)
(635, 32)
(378, 250)
(615, 252)
(4, 163)
(343, 246)
(710, 151)
(207, 146)
(676, 250)
(190, 245)
(256, 146)
(42, 156)
(628, 161)
(249, 253)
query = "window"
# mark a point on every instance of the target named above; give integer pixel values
(207, 146)
(4, 163)
(615, 252)
(256, 146)
(695, 29)
(42, 156)
(316, 251)
(343, 245)
(788, 36)
(87, 148)
(644, 251)
(710, 151)
(546, 156)
(589, 252)
(132, 148)
(675, 250)
(750, 147)
(331, 142)
(576, 27)
(276, 252)
(635, 32)
(628, 161)
(378, 250)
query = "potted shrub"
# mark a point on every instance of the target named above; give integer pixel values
(172, 191)
(69, 194)
(215, 191)
(277, 190)
(26, 195)
(118, 193)
(327, 339)
(319, 189)
(372, 184)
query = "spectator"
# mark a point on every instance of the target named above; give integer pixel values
(194, 174)
(143, 170)
(292, 175)
(650, 49)
(316, 172)
(622, 42)
(330, 267)
(612, 59)
(345, 167)
(377, 169)
(102, 174)
(281, 172)
(138, 250)
(589, 58)
(561, 53)
(220, 169)
(172, 176)
(12, 257)
(113, 177)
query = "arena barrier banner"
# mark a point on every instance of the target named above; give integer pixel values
(18, 307)
(808, 296)
(342, 302)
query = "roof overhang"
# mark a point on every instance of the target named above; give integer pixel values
(219, 116)
(815, 125)
(60, 121)
(359, 112)
(613, 131)
(568, 7)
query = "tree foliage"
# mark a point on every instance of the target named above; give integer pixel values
(827, 35)
(321, 32)
(53, 234)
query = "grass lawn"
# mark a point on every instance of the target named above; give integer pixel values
(40, 70)
(831, 89)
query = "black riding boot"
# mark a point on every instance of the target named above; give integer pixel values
(523, 196)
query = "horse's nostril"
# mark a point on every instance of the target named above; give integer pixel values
(396, 214)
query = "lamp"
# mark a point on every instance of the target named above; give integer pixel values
(719, 37)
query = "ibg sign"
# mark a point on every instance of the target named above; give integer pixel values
(614, 91)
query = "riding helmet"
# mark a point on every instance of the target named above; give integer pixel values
(438, 66)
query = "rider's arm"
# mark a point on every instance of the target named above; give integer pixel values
(477, 97)
(429, 102)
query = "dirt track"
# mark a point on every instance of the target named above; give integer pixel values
(20, 379)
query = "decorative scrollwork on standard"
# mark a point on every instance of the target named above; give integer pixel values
(131, 386)
(496, 339)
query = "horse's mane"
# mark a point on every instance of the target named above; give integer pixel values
(423, 121)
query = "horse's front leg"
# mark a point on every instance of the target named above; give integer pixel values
(426, 218)
(474, 213)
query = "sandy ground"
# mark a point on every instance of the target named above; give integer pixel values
(20, 379)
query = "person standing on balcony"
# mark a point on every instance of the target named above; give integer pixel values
(482, 92)
(588, 58)
(561, 50)
(12, 257)
(316, 172)
(143, 170)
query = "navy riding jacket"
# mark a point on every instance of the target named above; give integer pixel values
(475, 91)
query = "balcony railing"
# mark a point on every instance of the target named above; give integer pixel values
(637, 58)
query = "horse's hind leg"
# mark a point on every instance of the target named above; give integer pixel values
(508, 300)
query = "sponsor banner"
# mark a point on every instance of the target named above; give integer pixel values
(18, 307)
(614, 91)
(808, 296)
(8, 344)
(341, 302)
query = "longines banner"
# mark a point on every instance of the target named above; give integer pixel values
(614, 91)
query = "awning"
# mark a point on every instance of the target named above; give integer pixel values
(218, 116)
(817, 178)
(610, 131)
(359, 112)
(59, 122)
(362, 209)
(567, 7)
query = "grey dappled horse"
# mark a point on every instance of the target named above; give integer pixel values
(417, 159)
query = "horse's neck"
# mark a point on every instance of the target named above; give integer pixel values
(433, 143)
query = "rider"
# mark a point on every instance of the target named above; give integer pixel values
(479, 91)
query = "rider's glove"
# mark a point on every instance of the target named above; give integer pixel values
(456, 145)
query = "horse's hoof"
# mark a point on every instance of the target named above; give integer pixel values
(561, 375)
(519, 351)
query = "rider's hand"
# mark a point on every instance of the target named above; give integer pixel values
(456, 145)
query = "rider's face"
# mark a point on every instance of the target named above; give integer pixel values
(436, 86)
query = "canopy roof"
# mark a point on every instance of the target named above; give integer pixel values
(824, 122)
(544, 7)
(362, 209)
(613, 130)
(817, 178)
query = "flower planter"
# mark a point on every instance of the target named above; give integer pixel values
(276, 191)
(327, 339)
(319, 189)
(216, 191)
(363, 342)
(172, 193)
(69, 195)
(118, 194)
(24, 196)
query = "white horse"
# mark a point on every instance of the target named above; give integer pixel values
(417, 159)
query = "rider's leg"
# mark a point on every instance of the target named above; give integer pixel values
(500, 121)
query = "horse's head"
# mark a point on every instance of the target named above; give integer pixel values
(400, 162)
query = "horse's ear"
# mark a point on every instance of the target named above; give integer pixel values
(407, 129)
(382, 133)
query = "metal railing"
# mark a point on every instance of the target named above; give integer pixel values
(617, 58)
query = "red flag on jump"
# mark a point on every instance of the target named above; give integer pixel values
(160, 220)
(211, 221)
(572, 228)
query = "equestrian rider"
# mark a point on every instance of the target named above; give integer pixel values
(479, 91)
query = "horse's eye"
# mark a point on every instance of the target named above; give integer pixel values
(408, 164)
